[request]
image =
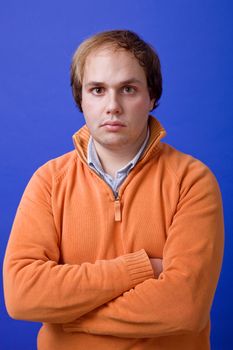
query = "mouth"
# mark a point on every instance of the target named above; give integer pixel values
(113, 125)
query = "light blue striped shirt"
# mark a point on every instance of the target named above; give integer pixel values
(114, 183)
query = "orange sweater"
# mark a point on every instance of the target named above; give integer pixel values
(77, 259)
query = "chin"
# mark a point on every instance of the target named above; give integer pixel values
(114, 145)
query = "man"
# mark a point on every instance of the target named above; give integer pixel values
(93, 226)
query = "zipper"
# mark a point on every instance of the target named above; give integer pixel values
(117, 203)
(117, 207)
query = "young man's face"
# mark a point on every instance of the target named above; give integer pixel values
(115, 99)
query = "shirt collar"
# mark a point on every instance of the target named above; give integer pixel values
(94, 162)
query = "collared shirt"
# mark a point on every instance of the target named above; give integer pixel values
(114, 183)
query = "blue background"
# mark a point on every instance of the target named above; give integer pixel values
(37, 114)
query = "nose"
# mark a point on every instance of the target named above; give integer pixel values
(113, 104)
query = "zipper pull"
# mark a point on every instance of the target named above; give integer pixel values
(117, 209)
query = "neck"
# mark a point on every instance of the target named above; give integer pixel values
(114, 159)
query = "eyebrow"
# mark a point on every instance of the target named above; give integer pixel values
(125, 82)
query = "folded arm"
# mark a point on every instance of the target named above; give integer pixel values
(38, 288)
(179, 301)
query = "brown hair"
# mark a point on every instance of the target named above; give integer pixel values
(118, 39)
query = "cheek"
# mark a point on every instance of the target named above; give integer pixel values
(91, 105)
(91, 115)
(86, 105)
(141, 105)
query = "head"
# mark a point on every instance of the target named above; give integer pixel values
(118, 39)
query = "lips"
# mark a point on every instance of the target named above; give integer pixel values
(113, 126)
(113, 123)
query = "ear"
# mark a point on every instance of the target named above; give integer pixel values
(152, 102)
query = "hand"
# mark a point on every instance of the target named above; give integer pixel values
(157, 265)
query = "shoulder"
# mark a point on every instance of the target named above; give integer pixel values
(187, 169)
(48, 177)
(53, 171)
(57, 167)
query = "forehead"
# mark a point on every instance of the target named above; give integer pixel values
(111, 63)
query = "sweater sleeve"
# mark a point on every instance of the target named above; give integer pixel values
(38, 288)
(179, 301)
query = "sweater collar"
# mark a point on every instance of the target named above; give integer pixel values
(157, 132)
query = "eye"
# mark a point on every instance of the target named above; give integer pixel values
(97, 90)
(128, 90)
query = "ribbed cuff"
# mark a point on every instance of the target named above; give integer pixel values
(139, 266)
